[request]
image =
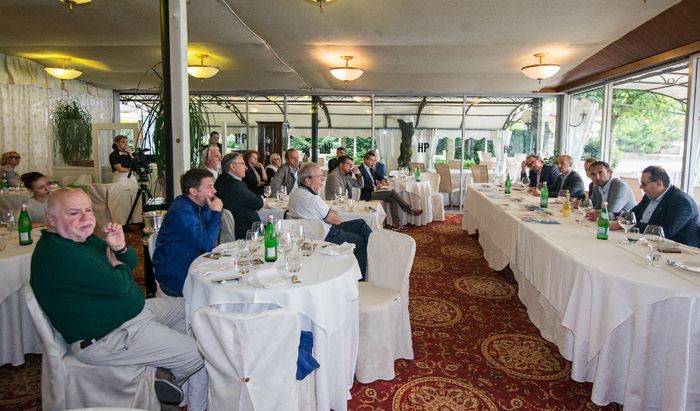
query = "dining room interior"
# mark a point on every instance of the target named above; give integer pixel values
(476, 297)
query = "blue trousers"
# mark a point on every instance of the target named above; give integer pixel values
(356, 232)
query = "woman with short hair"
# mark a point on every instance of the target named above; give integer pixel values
(8, 162)
(275, 163)
(255, 176)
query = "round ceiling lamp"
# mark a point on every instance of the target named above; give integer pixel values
(72, 3)
(347, 73)
(62, 72)
(321, 3)
(202, 71)
(540, 71)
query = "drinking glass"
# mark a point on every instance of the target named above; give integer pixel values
(627, 220)
(292, 260)
(653, 255)
(8, 218)
(562, 195)
(284, 241)
(251, 239)
(243, 260)
(540, 185)
(586, 205)
(580, 215)
(349, 204)
(298, 235)
(267, 191)
(633, 235)
(654, 235)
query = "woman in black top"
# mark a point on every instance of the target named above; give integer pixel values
(275, 163)
(120, 159)
(255, 175)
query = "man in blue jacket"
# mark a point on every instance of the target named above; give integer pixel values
(539, 173)
(190, 228)
(667, 206)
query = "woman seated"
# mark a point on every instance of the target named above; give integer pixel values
(275, 163)
(255, 176)
(38, 185)
(8, 162)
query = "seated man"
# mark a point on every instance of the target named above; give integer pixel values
(212, 163)
(85, 287)
(190, 228)
(345, 176)
(587, 168)
(237, 197)
(568, 179)
(287, 174)
(333, 162)
(667, 206)
(539, 173)
(305, 203)
(379, 168)
(375, 189)
(611, 189)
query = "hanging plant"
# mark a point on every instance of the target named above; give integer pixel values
(72, 129)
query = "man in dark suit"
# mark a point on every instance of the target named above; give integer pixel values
(379, 168)
(539, 173)
(237, 197)
(667, 206)
(333, 162)
(568, 179)
(587, 169)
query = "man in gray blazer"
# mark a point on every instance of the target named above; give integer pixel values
(618, 195)
(287, 174)
(346, 176)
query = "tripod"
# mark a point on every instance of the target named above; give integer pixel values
(143, 194)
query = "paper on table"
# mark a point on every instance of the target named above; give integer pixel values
(267, 278)
(335, 249)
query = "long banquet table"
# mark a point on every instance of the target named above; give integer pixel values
(631, 329)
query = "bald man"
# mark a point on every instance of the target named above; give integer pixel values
(85, 287)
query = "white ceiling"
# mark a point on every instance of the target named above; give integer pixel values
(405, 46)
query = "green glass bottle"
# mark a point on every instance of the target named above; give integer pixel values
(603, 223)
(544, 196)
(24, 226)
(508, 183)
(270, 241)
(417, 174)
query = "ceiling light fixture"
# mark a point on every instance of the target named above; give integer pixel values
(62, 72)
(321, 3)
(347, 73)
(72, 3)
(201, 71)
(540, 71)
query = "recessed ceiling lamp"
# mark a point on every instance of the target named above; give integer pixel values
(201, 71)
(540, 71)
(72, 3)
(62, 72)
(321, 3)
(362, 99)
(346, 73)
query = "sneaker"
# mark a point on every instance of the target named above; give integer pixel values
(167, 390)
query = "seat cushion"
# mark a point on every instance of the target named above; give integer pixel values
(374, 298)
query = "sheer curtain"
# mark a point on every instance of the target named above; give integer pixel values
(27, 98)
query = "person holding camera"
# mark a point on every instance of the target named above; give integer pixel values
(122, 162)
(121, 159)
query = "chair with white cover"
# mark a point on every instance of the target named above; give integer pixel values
(228, 227)
(385, 327)
(250, 358)
(67, 383)
(480, 173)
(313, 229)
(435, 196)
(446, 182)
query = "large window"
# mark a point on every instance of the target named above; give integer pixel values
(585, 137)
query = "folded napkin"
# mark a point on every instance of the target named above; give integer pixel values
(267, 278)
(209, 267)
(335, 249)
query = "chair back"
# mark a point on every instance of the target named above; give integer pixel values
(454, 164)
(480, 173)
(54, 349)
(313, 229)
(434, 179)
(228, 227)
(445, 178)
(420, 166)
(251, 359)
(633, 183)
(389, 260)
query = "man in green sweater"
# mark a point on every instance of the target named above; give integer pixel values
(85, 287)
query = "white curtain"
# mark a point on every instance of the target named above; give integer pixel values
(582, 133)
(27, 99)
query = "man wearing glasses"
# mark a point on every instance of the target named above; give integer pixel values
(667, 206)
(305, 203)
(344, 177)
(237, 197)
(8, 162)
(539, 173)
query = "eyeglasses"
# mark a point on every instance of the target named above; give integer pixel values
(15, 158)
(238, 163)
(316, 176)
(643, 184)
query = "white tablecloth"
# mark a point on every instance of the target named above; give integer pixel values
(609, 313)
(417, 194)
(327, 302)
(17, 333)
(374, 218)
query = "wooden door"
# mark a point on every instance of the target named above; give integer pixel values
(269, 140)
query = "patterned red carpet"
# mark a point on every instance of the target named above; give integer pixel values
(475, 348)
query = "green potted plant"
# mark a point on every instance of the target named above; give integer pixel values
(72, 130)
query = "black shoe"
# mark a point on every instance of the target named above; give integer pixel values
(167, 390)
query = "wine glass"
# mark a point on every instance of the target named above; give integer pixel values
(251, 239)
(293, 261)
(243, 260)
(267, 191)
(284, 241)
(586, 205)
(654, 235)
(8, 218)
(627, 220)
(562, 195)
(580, 215)
(298, 235)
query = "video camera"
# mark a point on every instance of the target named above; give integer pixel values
(139, 164)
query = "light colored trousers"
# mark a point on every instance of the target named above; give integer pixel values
(395, 201)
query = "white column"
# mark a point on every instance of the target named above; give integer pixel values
(180, 90)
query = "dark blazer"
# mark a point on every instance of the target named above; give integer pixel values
(548, 174)
(573, 183)
(252, 181)
(676, 213)
(380, 170)
(368, 187)
(332, 164)
(240, 201)
(270, 173)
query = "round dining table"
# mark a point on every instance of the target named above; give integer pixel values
(417, 194)
(326, 300)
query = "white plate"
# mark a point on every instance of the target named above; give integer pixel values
(694, 267)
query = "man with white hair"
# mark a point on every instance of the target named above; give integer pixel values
(213, 162)
(86, 288)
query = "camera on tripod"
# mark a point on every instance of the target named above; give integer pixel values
(139, 166)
